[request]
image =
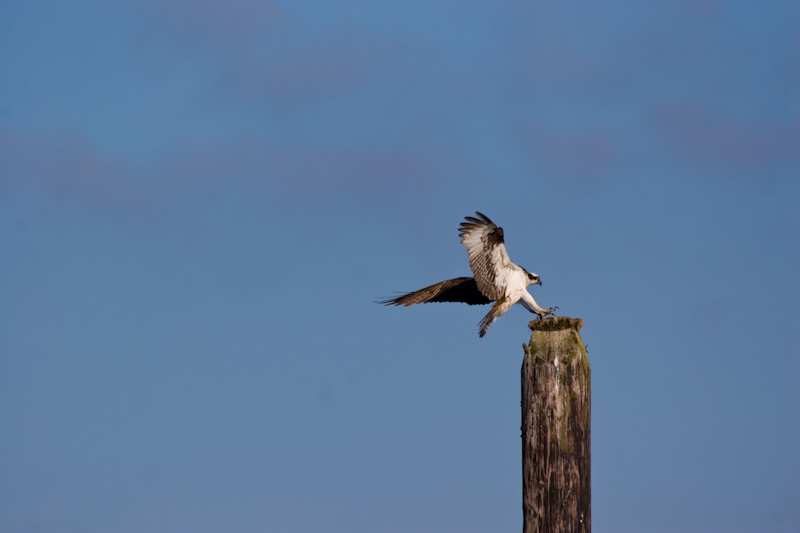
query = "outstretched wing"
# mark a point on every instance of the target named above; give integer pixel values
(487, 253)
(453, 290)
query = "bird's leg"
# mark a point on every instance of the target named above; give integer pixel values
(530, 304)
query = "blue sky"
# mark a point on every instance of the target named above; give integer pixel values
(200, 203)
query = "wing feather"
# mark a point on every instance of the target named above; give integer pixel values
(487, 253)
(453, 290)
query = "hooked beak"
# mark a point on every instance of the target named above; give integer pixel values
(539, 282)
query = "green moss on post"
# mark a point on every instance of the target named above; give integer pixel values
(556, 429)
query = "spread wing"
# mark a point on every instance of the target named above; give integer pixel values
(453, 290)
(487, 253)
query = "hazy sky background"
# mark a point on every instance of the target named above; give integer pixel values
(200, 203)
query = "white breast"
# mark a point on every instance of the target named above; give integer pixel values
(514, 280)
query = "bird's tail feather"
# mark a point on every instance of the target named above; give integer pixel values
(499, 308)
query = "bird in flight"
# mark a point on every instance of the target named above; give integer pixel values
(496, 278)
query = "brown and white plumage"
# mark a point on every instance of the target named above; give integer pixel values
(496, 278)
(486, 251)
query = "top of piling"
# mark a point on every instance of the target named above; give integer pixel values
(555, 323)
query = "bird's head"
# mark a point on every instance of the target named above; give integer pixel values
(533, 279)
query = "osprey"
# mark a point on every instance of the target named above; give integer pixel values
(497, 279)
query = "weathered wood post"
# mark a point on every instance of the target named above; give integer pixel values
(556, 423)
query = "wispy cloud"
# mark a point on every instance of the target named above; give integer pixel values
(58, 165)
(703, 138)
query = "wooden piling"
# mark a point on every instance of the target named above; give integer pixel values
(556, 429)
